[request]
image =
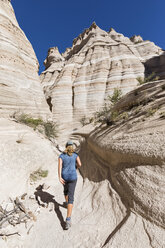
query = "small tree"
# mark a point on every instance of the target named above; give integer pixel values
(105, 114)
(50, 129)
(150, 78)
(117, 93)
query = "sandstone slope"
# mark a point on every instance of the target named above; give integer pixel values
(130, 153)
(119, 199)
(97, 209)
(88, 72)
(20, 89)
(22, 151)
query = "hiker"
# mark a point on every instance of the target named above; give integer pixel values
(68, 161)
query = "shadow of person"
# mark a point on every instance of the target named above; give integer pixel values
(43, 197)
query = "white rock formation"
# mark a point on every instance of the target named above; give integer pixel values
(20, 89)
(131, 155)
(120, 200)
(78, 82)
(54, 64)
(22, 151)
(136, 39)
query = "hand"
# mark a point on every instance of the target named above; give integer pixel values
(62, 180)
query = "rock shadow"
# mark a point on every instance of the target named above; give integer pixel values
(117, 228)
(157, 65)
(43, 197)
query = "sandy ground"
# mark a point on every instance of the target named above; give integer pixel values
(48, 231)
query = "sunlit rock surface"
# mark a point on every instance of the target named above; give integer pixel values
(78, 82)
(119, 198)
(22, 152)
(130, 154)
(20, 89)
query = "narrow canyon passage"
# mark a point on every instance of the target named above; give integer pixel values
(113, 202)
(100, 218)
(120, 194)
(93, 216)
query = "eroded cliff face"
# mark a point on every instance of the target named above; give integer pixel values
(81, 79)
(20, 89)
(119, 199)
(22, 150)
(130, 154)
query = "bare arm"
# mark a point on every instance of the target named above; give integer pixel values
(59, 171)
(78, 162)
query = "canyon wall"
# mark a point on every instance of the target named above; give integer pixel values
(77, 82)
(20, 91)
(130, 153)
(20, 88)
(119, 200)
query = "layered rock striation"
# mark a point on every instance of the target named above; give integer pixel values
(119, 202)
(119, 198)
(89, 71)
(22, 152)
(20, 89)
(130, 154)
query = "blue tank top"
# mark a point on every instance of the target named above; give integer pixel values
(69, 166)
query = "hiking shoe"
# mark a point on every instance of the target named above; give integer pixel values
(67, 224)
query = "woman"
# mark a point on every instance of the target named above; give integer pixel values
(68, 177)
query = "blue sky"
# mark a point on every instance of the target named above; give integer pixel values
(49, 23)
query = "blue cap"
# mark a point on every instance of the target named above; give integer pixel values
(69, 143)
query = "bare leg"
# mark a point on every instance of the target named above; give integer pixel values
(69, 210)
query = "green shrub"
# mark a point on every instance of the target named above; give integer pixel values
(85, 120)
(29, 121)
(116, 116)
(38, 174)
(49, 128)
(140, 80)
(124, 116)
(117, 93)
(150, 78)
(110, 117)
(151, 111)
(103, 114)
